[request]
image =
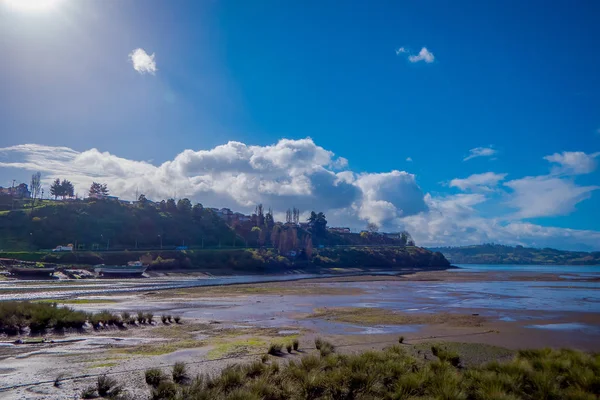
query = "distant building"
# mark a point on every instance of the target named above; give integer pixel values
(100, 196)
(241, 217)
(21, 191)
(339, 230)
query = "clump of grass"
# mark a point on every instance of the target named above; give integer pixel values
(180, 374)
(154, 377)
(89, 393)
(401, 339)
(177, 319)
(446, 355)
(164, 318)
(296, 344)
(141, 318)
(165, 391)
(170, 318)
(58, 380)
(149, 318)
(288, 347)
(318, 343)
(107, 387)
(326, 348)
(274, 349)
(264, 358)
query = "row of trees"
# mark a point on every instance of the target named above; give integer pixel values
(62, 189)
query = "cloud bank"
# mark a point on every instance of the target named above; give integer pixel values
(302, 174)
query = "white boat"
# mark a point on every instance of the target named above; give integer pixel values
(133, 268)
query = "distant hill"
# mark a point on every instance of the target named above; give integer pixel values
(499, 254)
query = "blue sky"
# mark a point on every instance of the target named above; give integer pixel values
(516, 80)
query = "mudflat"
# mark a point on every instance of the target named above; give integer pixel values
(482, 315)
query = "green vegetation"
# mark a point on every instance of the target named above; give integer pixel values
(394, 374)
(275, 349)
(499, 254)
(102, 224)
(112, 233)
(179, 373)
(381, 316)
(154, 376)
(295, 344)
(16, 316)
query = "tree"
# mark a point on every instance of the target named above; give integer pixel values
(288, 216)
(269, 220)
(318, 224)
(171, 206)
(372, 227)
(56, 189)
(197, 211)
(184, 206)
(260, 216)
(162, 205)
(142, 201)
(98, 189)
(35, 186)
(296, 216)
(308, 246)
(67, 189)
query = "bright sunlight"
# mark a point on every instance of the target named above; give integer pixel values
(32, 5)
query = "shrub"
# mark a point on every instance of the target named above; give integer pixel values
(401, 339)
(177, 319)
(288, 347)
(141, 318)
(169, 318)
(149, 318)
(264, 358)
(275, 349)
(296, 344)
(180, 373)
(163, 318)
(154, 376)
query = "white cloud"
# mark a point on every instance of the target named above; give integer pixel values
(400, 50)
(478, 181)
(543, 196)
(480, 152)
(300, 173)
(409, 159)
(573, 162)
(142, 61)
(424, 55)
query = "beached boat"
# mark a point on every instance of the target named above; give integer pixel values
(26, 270)
(132, 269)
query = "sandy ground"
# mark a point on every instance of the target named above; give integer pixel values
(486, 315)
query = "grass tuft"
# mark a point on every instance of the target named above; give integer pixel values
(154, 377)
(180, 374)
(296, 344)
(275, 349)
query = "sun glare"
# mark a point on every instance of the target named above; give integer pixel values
(32, 5)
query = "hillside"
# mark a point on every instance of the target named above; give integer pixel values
(93, 225)
(499, 254)
(109, 232)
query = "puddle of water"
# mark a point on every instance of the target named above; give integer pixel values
(288, 332)
(570, 326)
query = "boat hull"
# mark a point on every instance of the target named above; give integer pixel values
(120, 272)
(25, 271)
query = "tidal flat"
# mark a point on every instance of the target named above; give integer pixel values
(482, 315)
